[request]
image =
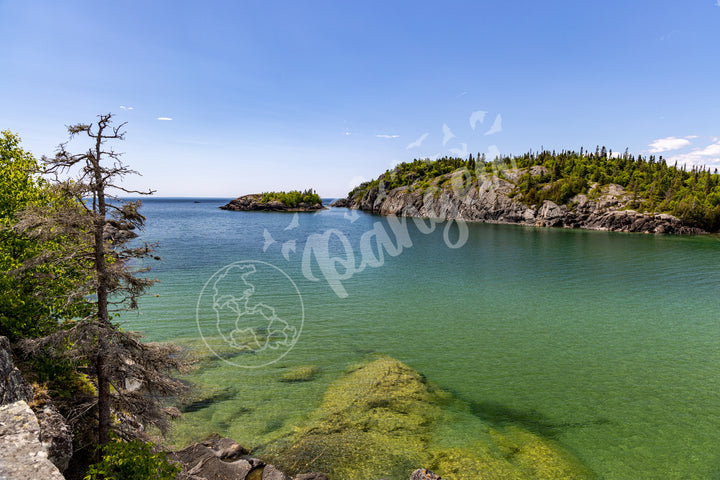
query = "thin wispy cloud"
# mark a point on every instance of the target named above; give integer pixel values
(667, 144)
(496, 126)
(447, 134)
(382, 135)
(465, 93)
(690, 137)
(493, 152)
(123, 107)
(710, 150)
(717, 3)
(164, 118)
(417, 142)
(706, 156)
(476, 117)
(348, 132)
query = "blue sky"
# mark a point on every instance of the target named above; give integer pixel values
(228, 98)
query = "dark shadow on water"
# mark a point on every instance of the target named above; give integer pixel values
(500, 415)
(196, 405)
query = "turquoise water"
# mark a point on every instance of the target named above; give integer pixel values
(606, 343)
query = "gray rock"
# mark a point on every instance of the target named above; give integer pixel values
(422, 474)
(22, 456)
(225, 448)
(202, 462)
(272, 473)
(311, 476)
(551, 215)
(220, 458)
(55, 434)
(13, 386)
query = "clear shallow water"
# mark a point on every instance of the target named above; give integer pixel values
(606, 343)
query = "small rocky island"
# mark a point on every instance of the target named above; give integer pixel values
(292, 201)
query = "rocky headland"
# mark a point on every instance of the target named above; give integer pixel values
(254, 202)
(492, 199)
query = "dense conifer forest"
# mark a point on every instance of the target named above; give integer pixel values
(691, 194)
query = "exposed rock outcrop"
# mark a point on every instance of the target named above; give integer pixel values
(55, 436)
(219, 458)
(13, 386)
(22, 456)
(252, 202)
(493, 200)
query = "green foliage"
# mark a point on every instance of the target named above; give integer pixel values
(691, 195)
(418, 171)
(293, 198)
(134, 460)
(33, 301)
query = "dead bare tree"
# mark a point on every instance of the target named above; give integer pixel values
(131, 377)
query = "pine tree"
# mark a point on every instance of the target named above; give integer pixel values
(136, 372)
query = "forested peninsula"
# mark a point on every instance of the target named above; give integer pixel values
(592, 190)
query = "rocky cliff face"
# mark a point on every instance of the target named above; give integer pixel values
(492, 200)
(32, 444)
(22, 456)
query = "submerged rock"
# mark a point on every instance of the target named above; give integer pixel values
(303, 373)
(378, 421)
(423, 474)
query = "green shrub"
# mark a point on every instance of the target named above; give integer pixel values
(293, 198)
(133, 460)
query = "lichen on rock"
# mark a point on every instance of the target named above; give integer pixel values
(22, 456)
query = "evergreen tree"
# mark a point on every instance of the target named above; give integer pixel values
(136, 372)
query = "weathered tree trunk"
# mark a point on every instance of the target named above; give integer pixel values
(102, 296)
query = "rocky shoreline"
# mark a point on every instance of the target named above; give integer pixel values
(220, 458)
(253, 202)
(493, 200)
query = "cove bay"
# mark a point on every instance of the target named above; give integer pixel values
(607, 344)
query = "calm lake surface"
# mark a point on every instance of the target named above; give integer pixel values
(606, 343)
